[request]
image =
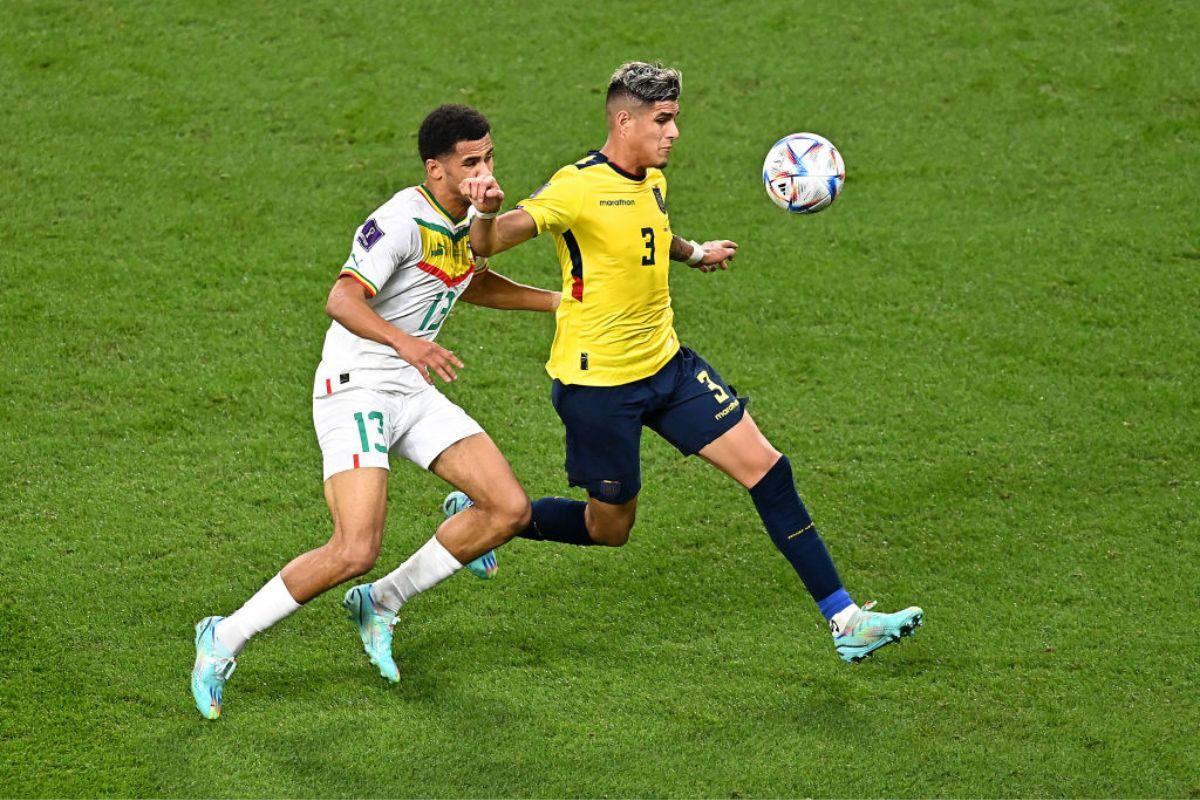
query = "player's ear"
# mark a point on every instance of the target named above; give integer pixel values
(622, 117)
(433, 169)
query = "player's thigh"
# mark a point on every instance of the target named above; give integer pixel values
(476, 466)
(603, 427)
(742, 453)
(696, 406)
(432, 424)
(354, 429)
(358, 505)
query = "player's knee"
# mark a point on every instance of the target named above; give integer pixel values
(758, 464)
(611, 533)
(508, 513)
(356, 558)
(513, 513)
(360, 561)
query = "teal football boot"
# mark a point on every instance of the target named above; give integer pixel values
(485, 566)
(375, 626)
(213, 667)
(870, 630)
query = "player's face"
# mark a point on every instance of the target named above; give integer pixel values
(470, 159)
(653, 132)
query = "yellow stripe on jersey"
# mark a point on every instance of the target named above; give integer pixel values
(613, 237)
(445, 253)
(350, 272)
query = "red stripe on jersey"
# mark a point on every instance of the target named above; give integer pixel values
(328, 387)
(576, 264)
(442, 276)
(356, 460)
(363, 282)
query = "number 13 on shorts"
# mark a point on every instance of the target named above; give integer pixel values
(374, 416)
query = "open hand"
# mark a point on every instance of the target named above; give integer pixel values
(717, 255)
(428, 357)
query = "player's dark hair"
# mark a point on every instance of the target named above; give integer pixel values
(645, 82)
(446, 126)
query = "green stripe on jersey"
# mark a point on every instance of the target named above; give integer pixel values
(454, 235)
(364, 278)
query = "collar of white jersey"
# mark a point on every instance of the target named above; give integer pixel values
(436, 206)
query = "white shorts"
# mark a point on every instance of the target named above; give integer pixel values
(358, 427)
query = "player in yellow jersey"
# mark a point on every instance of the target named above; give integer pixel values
(617, 363)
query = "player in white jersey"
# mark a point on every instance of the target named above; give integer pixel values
(409, 263)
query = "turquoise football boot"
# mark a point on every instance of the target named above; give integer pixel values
(870, 630)
(375, 626)
(485, 566)
(213, 667)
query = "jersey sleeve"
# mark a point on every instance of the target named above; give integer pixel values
(555, 206)
(381, 246)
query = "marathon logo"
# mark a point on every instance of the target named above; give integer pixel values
(727, 410)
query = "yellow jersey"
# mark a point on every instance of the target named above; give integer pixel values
(613, 238)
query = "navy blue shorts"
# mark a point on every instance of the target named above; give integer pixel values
(686, 402)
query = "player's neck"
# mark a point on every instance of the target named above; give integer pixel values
(622, 159)
(451, 202)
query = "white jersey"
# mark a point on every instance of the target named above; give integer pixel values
(414, 260)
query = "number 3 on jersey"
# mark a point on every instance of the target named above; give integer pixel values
(439, 309)
(648, 235)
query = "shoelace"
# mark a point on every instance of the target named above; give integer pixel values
(859, 618)
(224, 667)
(389, 618)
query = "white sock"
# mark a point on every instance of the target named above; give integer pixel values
(841, 619)
(425, 569)
(269, 604)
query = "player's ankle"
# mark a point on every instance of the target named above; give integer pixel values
(840, 621)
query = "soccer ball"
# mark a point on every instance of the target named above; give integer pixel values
(804, 173)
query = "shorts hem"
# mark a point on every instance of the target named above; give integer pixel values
(345, 463)
(706, 441)
(458, 436)
(620, 499)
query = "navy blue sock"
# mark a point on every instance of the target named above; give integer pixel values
(558, 519)
(793, 532)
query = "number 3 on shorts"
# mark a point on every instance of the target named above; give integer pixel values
(719, 394)
(362, 430)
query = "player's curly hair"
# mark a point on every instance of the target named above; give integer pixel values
(647, 82)
(446, 126)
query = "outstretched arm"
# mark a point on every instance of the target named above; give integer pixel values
(493, 290)
(707, 257)
(492, 232)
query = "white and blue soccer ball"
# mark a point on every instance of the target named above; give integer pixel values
(804, 173)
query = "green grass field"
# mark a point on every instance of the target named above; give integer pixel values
(983, 362)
